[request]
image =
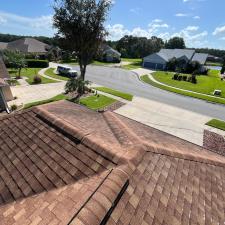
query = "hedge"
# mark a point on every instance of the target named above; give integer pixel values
(34, 63)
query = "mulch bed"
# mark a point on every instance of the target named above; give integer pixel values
(116, 105)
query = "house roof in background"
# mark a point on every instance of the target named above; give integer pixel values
(107, 49)
(168, 54)
(200, 57)
(28, 45)
(3, 45)
(63, 163)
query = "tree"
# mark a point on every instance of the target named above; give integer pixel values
(15, 60)
(80, 25)
(76, 85)
(175, 42)
(223, 67)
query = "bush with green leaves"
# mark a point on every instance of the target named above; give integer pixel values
(35, 63)
(37, 79)
(14, 107)
(76, 85)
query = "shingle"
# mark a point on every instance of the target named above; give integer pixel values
(63, 163)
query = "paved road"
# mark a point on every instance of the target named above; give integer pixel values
(127, 81)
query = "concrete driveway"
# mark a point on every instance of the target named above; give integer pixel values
(34, 93)
(173, 120)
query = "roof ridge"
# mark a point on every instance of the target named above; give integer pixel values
(157, 149)
(124, 134)
(105, 198)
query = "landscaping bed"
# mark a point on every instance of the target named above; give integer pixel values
(120, 94)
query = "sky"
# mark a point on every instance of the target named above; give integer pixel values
(200, 22)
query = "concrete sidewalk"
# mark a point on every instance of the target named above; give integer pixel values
(178, 122)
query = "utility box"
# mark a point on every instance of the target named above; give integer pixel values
(217, 92)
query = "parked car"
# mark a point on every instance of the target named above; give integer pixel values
(67, 71)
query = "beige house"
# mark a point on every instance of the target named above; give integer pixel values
(5, 91)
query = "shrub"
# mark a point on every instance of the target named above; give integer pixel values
(34, 63)
(175, 76)
(189, 79)
(37, 79)
(14, 107)
(184, 78)
(193, 79)
(180, 78)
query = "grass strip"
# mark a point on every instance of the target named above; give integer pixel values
(120, 94)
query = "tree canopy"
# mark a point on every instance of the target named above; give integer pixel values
(175, 42)
(137, 47)
(80, 25)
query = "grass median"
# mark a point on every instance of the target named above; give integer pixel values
(120, 94)
(219, 124)
(147, 80)
(50, 72)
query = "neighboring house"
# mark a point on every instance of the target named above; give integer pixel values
(5, 91)
(108, 54)
(158, 61)
(27, 46)
(62, 163)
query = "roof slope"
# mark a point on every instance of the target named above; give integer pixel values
(189, 54)
(69, 165)
(200, 57)
(28, 45)
(4, 74)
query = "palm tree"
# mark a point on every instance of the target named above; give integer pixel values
(76, 85)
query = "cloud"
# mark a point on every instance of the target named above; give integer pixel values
(37, 25)
(117, 31)
(181, 15)
(192, 28)
(193, 37)
(135, 11)
(196, 17)
(219, 31)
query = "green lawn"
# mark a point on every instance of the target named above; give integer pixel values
(147, 80)
(50, 72)
(135, 63)
(217, 124)
(30, 73)
(120, 94)
(95, 102)
(205, 85)
(54, 99)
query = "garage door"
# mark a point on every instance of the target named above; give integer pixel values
(160, 67)
(154, 66)
(150, 65)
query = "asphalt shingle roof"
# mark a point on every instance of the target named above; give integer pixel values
(28, 45)
(4, 74)
(64, 164)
